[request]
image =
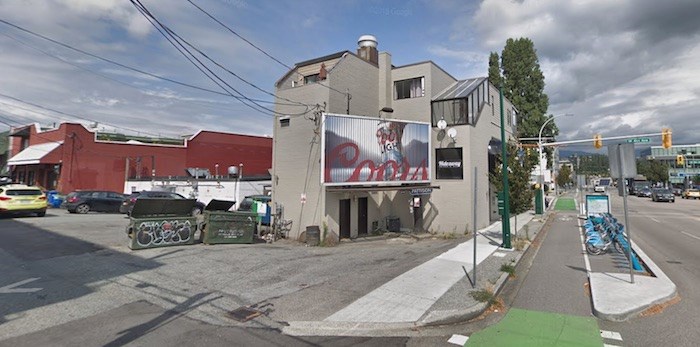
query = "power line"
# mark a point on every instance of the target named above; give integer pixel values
(178, 44)
(114, 62)
(258, 48)
(73, 115)
(108, 77)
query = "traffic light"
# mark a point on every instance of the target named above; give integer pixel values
(680, 160)
(666, 138)
(597, 141)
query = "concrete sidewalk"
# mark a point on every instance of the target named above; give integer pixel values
(425, 294)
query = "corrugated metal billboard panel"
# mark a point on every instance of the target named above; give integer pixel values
(372, 151)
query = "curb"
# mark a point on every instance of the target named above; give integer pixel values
(445, 317)
(609, 291)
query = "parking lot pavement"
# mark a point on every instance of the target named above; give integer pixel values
(83, 268)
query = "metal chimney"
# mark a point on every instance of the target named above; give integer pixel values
(367, 49)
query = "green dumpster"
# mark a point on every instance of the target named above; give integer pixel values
(161, 222)
(221, 226)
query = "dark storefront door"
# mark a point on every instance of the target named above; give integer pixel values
(362, 216)
(344, 221)
(417, 214)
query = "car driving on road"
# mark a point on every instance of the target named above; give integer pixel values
(663, 194)
(644, 192)
(691, 194)
(18, 199)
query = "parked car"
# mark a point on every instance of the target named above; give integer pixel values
(128, 204)
(599, 189)
(662, 194)
(677, 191)
(84, 201)
(691, 194)
(22, 199)
(644, 192)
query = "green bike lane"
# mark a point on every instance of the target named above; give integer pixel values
(551, 306)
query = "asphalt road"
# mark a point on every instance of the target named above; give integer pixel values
(669, 234)
(70, 280)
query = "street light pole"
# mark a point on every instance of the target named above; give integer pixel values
(539, 147)
(505, 222)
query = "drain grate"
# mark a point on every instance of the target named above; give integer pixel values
(243, 314)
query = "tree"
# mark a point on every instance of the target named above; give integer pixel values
(524, 86)
(654, 170)
(564, 176)
(494, 70)
(521, 193)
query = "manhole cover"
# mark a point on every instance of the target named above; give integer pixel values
(243, 314)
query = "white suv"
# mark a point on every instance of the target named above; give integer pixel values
(599, 189)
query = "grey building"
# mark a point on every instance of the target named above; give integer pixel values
(678, 175)
(463, 122)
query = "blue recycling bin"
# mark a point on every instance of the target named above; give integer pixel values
(54, 199)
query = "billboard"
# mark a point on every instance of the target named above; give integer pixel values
(373, 151)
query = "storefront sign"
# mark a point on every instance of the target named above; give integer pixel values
(367, 150)
(596, 204)
(421, 191)
(449, 164)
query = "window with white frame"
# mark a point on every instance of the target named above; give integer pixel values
(410, 88)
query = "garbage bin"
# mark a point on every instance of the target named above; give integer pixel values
(313, 235)
(54, 199)
(393, 224)
(161, 223)
(222, 226)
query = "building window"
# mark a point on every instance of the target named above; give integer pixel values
(311, 79)
(454, 112)
(411, 88)
(284, 121)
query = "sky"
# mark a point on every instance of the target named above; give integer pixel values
(619, 67)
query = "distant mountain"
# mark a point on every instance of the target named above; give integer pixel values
(639, 152)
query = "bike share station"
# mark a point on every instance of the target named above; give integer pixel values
(169, 222)
(602, 230)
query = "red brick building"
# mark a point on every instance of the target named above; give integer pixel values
(72, 157)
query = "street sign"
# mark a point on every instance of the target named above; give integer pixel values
(638, 140)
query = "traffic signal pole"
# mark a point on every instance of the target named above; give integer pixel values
(548, 144)
(505, 222)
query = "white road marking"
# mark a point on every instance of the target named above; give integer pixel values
(10, 288)
(458, 339)
(610, 335)
(583, 246)
(608, 345)
(499, 254)
(655, 220)
(691, 235)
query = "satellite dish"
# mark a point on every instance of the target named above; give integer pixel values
(442, 124)
(452, 133)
